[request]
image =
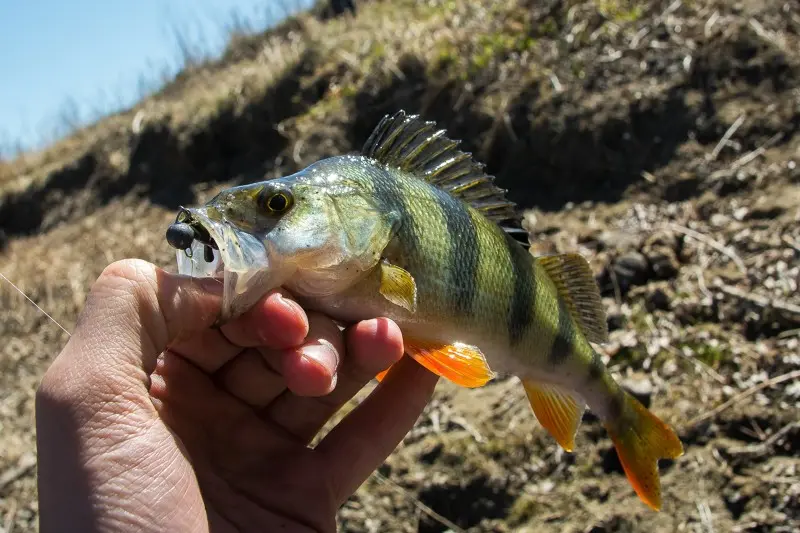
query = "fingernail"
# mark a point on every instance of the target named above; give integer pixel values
(371, 326)
(291, 305)
(323, 354)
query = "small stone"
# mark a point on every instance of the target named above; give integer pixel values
(669, 368)
(664, 263)
(631, 269)
(793, 390)
(618, 241)
(719, 220)
(658, 299)
(640, 387)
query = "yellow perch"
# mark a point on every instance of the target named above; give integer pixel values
(413, 229)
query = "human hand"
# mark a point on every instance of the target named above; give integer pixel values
(151, 420)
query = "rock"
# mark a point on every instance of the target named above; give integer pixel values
(658, 298)
(664, 263)
(661, 250)
(669, 368)
(618, 241)
(640, 387)
(662, 239)
(719, 220)
(631, 269)
(615, 319)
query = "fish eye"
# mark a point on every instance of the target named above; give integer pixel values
(275, 202)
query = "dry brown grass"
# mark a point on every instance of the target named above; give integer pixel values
(614, 107)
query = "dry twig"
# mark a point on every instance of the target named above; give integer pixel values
(766, 443)
(718, 246)
(10, 518)
(791, 243)
(725, 138)
(742, 395)
(748, 157)
(757, 299)
(418, 504)
(699, 365)
(24, 464)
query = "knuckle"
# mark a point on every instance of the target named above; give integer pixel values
(320, 326)
(125, 279)
(133, 271)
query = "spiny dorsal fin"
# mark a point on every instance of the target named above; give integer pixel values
(576, 285)
(408, 143)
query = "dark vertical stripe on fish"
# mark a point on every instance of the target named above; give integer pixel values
(616, 403)
(464, 252)
(388, 193)
(562, 345)
(596, 367)
(521, 309)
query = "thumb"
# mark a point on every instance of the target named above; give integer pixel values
(134, 311)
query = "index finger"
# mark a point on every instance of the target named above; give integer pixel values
(274, 322)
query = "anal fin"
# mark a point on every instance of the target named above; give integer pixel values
(557, 410)
(574, 279)
(462, 364)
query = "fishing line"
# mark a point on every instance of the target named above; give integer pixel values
(35, 304)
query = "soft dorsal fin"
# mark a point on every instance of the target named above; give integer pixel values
(575, 282)
(408, 143)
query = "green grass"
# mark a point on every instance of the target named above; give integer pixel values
(620, 11)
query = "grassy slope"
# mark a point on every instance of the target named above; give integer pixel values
(601, 117)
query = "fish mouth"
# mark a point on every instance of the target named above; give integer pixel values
(221, 250)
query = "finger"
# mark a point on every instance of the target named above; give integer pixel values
(133, 311)
(310, 370)
(372, 346)
(208, 349)
(199, 411)
(276, 322)
(251, 379)
(367, 435)
(258, 377)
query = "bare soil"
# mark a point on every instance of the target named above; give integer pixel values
(659, 139)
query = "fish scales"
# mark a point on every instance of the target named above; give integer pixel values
(442, 241)
(412, 229)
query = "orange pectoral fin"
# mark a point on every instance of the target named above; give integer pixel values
(462, 364)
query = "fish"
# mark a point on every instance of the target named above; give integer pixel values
(412, 228)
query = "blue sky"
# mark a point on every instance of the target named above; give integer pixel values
(79, 57)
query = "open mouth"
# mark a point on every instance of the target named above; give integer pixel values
(198, 253)
(207, 245)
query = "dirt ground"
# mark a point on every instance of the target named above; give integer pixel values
(659, 139)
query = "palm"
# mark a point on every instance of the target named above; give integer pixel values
(251, 473)
(213, 435)
(247, 435)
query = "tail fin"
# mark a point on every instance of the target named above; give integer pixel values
(641, 439)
